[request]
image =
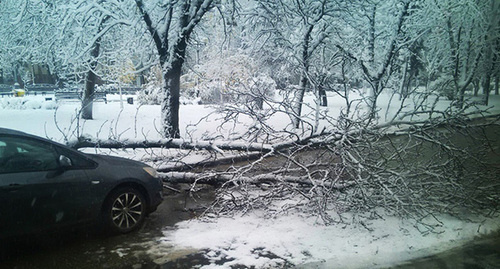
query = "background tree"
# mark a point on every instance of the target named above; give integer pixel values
(93, 38)
(170, 31)
(371, 33)
(297, 29)
(459, 37)
(26, 28)
(491, 11)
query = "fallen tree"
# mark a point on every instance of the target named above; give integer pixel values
(219, 146)
(212, 145)
(418, 164)
(215, 178)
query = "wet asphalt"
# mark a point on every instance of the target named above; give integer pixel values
(87, 247)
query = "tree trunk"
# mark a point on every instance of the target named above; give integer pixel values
(323, 101)
(220, 178)
(372, 99)
(476, 86)
(371, 36)
(170, 102)
(299, 94)
(298, 99)
(403, 88)
(258, 102)
(486, 88)
(497, 78)
(88, 94)
(490, 45)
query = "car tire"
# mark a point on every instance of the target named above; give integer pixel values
(124, 210)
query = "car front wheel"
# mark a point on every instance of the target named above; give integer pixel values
(125, 210)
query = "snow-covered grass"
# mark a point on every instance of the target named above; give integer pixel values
(249, 239)
(58, 120)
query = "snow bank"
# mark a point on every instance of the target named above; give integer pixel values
(251, 240)
(19, 103)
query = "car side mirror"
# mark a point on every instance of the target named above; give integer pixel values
(65, 162)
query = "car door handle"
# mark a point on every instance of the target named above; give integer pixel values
(13, 187)
(95, 182)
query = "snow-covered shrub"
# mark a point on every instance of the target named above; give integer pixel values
(260, 87)
(26, 103)
(48, 105)
(152, 90)
(150, 95)
(444, 86)
(234, 79)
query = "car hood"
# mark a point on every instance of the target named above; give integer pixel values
(115, 161)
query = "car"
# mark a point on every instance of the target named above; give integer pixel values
(45, 185)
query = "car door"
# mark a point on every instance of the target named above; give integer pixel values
(35, 191)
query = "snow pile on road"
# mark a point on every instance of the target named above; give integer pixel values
(252, 240)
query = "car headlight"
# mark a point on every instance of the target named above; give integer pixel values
(151, 171)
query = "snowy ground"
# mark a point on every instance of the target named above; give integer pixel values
(304, 242)
(250, 240)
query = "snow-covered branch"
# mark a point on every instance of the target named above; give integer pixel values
(214, 178)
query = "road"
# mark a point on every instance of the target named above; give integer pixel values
(85, 247)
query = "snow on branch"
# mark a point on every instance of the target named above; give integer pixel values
(221, 178)
(218, 146)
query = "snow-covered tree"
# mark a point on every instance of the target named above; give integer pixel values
(170, 24)
(78, 40)
(232, 79)
(294, 30)
(26, 28)
(96, 35)
(372, 33)
(460, 44)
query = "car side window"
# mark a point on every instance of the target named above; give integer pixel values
(19, 154)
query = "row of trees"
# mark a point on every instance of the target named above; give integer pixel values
(416, 50)
(447, 46)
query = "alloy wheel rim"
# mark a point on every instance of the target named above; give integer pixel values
(126, 210)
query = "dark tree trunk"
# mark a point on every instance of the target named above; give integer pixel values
(170, 102)
(258, 103)
(88, 94)
(299, 94)
(376, 88)
(371, 36)
(298, 100)
(490, 55)
(487, 87)
(323, 101)
(497, 84)
(476, 87)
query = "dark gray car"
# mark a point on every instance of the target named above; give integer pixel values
(46, 185)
